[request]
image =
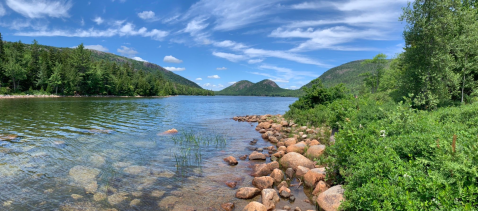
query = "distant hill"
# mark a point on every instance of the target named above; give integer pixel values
(347, 74)
(146, 66)
(261, 88)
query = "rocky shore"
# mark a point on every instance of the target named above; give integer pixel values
(289, 161)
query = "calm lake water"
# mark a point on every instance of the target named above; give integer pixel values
(110, 152)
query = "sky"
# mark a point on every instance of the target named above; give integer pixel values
(217, 42)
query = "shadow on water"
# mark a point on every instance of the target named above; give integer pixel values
(97, 154)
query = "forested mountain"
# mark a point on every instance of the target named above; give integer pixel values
(350, 74)
(261, 88)
(44, 69)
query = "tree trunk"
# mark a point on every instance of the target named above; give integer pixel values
(463, 87)
(14, 84)
(56, 92)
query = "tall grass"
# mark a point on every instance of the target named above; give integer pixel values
(191, 146)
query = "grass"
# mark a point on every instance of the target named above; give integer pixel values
(191, 146)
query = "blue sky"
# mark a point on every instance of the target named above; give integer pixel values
(217, 42)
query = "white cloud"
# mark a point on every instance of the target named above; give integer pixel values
(98, 20)
(196, 25)
(329, 38)
(82, 22)
(229, 56)
(284, 75)
(119, 29)
(220, 85)
(139, 59)
(127, 51)
(198, 79)
(255, 61)
(41, 8)
(214, 76)
(221, 68)
(2, 10)
(311, 5)
(175, 68)
(233, 82)
(230, 44)
(253, 52)
(145, 15)
(231, 15)
(97, 47)
(172, 59)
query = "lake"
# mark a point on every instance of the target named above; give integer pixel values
(103, 153)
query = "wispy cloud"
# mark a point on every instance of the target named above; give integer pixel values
(147, 15)
(172, 59)
(231, 15)
(198, 79)
(98, 20)
(2, 10)
(284, 75)
(221, 68)
(255, 61)
(175, 68)
(41, 8)
(139, 59)
(97, 47)
(214, 76)
(229, 56)
(330, 38)
(127, 29)
(125, 51)
(232, 82)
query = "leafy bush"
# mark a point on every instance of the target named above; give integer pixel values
(398, 158)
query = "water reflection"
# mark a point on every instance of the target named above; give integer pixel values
(103, 153)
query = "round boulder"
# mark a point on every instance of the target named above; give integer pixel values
(293, 160)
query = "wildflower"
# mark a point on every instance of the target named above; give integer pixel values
(382, 132)
(407, 176)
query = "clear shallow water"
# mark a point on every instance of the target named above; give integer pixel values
(113, 147)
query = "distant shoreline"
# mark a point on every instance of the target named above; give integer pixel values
(80, 96)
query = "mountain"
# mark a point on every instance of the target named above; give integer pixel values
(146, 66)
(261, 88)
(347, 74)
(236, 88)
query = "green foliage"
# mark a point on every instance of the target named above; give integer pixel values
(261, 88)
(372, 79)
(350, 74)
(80, 71)
(322, 105)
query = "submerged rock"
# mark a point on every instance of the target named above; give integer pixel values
(76, 196)
(134, 202)
(117, 198)
(157, 193)
(97, 160)
(228, 206)
(136, 170)
(171, 131)
(99, 196)
(85, 177)
(168, 202)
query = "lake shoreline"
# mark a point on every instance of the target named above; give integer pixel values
(79, 96)
(294, 152)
